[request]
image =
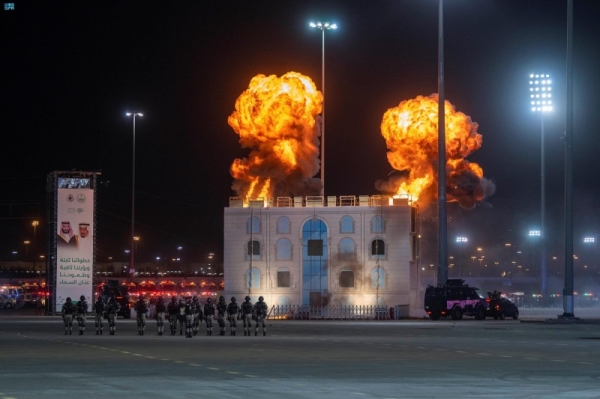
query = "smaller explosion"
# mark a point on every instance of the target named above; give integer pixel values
(411, 134)
(276, 119)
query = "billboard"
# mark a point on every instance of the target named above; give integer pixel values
(74, 241)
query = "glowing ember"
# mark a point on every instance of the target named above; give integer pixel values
(411, 134)
(275, 119)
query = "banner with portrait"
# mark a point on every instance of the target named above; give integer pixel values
(74, 245)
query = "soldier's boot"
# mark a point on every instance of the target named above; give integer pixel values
(66, 331)
(255, 333)
(97, 332)
(101, 331)
(234, 333)
(70, 332)
(264, 333)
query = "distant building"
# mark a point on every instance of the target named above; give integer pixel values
(307, 251)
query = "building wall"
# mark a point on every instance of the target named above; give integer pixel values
(396, 288)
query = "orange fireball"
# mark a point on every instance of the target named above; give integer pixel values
(411, 134)
(276, 119)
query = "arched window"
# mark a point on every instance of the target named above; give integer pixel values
(253, 250)
(377, 224)
(378, 278)
(253, 225)
(377, 249)
(283, 225)
(347, 225)
(347, 279)
(253, 278)
(347, 249)
(284, 249)
(283, 278)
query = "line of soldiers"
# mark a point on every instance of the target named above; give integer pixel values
(186, 313)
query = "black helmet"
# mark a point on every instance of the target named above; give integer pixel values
(160, 299)
(209, 300)
(82, 298)
(195, 298)
(173, 299)
(247, 298)
(99, 297)
(260, 299)
(69, 299)
(221, 298)
(232, 299)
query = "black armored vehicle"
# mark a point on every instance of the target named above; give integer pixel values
(454, 299)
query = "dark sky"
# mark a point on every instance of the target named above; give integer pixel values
(71, 69)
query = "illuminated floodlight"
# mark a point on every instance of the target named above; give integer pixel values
(540, 83)
(535, 233)
(589, 240)
(462, 239)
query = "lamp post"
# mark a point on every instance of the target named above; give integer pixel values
(323, 26)
(132, 251)
(540, 97)
(179, 248)
(462, 241)
(35, 224)
(26, 243)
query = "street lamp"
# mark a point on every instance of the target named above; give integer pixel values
(461, 240)
(540, 98)
(26, 242)
(35, 224)
(132, 254)
(323, 26)
(179, 252)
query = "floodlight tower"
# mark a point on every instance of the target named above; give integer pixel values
(540, 96)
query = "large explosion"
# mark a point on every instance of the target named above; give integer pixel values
(411, 134)
(275, 119)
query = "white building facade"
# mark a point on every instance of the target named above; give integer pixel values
(344, 250)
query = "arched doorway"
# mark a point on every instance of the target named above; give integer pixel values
(314, 263)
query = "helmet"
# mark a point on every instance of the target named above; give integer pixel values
(173, 299)
(260, 299)
(160, 299)
(247, 298)
(232, 299)
(99, 297)
(209, 300)
(69, 299)
(195, 298)
(141, 298)
(221, 298)
(82, 298)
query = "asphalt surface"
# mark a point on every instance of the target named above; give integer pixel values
(305, 359)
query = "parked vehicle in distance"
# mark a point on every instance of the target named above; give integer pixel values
(7, 302)
(454, 299)
(500, 307)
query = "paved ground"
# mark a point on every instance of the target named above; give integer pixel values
(306, 359)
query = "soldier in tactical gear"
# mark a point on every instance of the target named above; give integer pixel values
(189, 317)
(261, 309)
(160, 315)
(221, 311)
(82, 307)
(196, 315)
(247, 310)
(98, 315)
(141, 310)
(112, 308)
(232, 311)
(181, 316)
(209, 314)
(173, 310)
(68, 309)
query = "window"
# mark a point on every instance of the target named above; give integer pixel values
(377, 248)
(377, 224)
(315, 247)
(283, 225)
(283, 278)
(378, 278)
(253, 225)
(347, 225)
(253, 278)
(347, 249)
(284, 249)
(253, 251)
(347, 279)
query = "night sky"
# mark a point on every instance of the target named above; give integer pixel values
(71, 69)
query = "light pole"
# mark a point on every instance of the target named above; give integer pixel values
(462, 241)
(540, 97)
(26, 243)
(179, 248)
(35, 224)
(132, 251)
(323, 26)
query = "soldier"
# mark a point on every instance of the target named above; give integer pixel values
(181, 316)
(112, 308)
(189, 317)
(67, 315)
(232, 311)
(196, 315)
(82, 307)
(247, 310)
(221, 311)
(160, 315)
(260, 308)
(173, 310)
(209, 313)
(98, 314)
(141, 310)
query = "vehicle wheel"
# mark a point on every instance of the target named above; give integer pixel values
(457, 313)
(516, 315)
(480, 313)
(8, 305)
(501, 315)
(495, 316)
(434, 316)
